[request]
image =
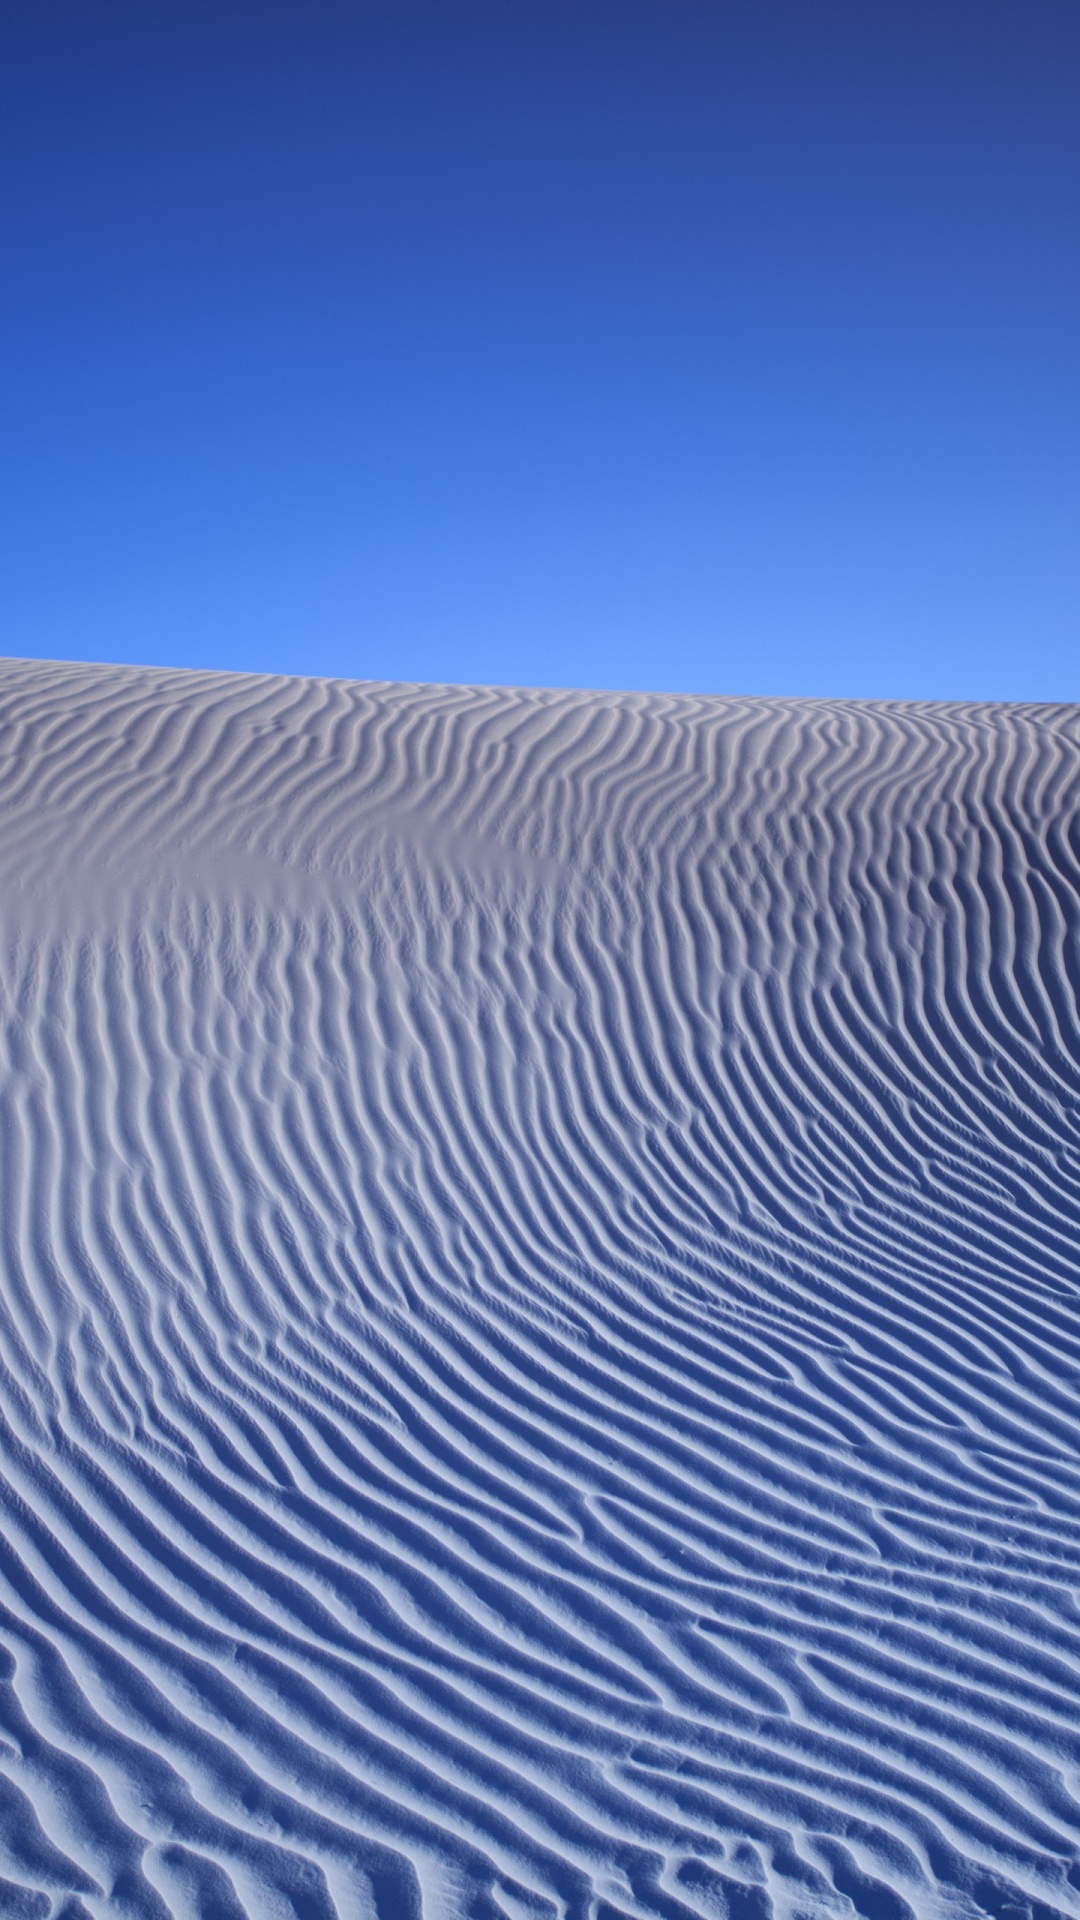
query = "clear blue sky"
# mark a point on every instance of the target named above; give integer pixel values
(689, 345)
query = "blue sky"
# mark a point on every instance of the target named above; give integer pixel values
(699, 346)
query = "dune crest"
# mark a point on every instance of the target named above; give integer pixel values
(539, 1335)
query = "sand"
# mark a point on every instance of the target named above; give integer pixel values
(539, 1304)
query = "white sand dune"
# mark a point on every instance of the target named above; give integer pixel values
(539, 1304)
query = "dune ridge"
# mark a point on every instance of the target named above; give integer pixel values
(539, 1338)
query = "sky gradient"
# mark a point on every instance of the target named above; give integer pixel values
(699, 347)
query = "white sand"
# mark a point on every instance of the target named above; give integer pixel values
(539, 1304)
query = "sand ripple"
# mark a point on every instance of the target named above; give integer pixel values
(539, 1304)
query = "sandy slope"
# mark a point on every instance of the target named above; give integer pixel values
(539, 1335)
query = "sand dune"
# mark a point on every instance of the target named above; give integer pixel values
(539, 1304)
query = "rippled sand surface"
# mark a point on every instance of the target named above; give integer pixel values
(539, 1304)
